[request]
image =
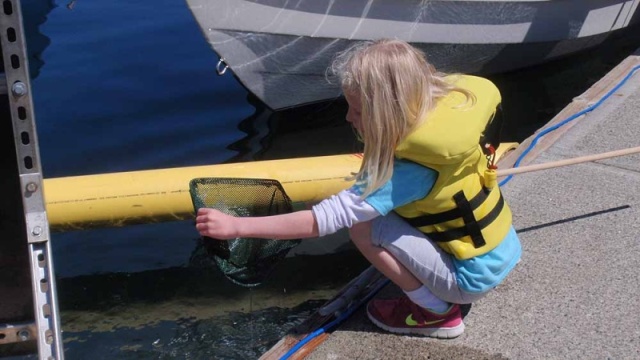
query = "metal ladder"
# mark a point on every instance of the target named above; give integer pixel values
(46, 326)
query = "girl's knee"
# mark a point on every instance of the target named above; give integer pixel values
(361, 232)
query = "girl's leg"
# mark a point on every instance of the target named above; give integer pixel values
(408, 258)
(418, 267)
(381, 259)
(394, 270)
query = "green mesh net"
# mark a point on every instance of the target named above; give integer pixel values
(245, 261)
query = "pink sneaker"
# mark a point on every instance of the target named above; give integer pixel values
(402, 316)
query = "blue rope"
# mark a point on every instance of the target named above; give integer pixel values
(567, 120)
(335, 322)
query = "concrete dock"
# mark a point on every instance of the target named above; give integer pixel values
(575, 293)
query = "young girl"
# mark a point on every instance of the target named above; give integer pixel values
(421, 210)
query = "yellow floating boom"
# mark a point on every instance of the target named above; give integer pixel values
(149, 196)
(126, 198)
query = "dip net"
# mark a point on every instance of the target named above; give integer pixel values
(244, 261)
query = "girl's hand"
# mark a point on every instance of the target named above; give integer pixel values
(216, 224)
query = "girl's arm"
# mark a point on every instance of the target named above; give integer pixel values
(218, 225)
(410, 182)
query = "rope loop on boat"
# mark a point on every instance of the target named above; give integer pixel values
(219, 67)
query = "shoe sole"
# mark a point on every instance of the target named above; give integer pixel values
(439, 333)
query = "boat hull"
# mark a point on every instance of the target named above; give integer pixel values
(280, 52)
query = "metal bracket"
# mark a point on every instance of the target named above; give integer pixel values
(46, 329)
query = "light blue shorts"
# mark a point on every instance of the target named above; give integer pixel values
(423, 257)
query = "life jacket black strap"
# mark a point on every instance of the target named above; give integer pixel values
(455, 213)
(470, 224)
(471, 227)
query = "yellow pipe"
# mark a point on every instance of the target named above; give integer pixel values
(118, 199)
(126, 198)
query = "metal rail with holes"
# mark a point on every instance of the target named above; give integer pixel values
(46, 326)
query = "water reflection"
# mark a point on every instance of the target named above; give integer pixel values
(193, 311)
(232, 335)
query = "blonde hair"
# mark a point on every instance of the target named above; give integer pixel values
(397, 87)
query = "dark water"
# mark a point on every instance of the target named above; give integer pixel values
(131, 85)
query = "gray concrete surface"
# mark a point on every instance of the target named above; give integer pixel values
(575, 293)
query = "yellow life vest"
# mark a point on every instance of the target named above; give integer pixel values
(464, 216)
